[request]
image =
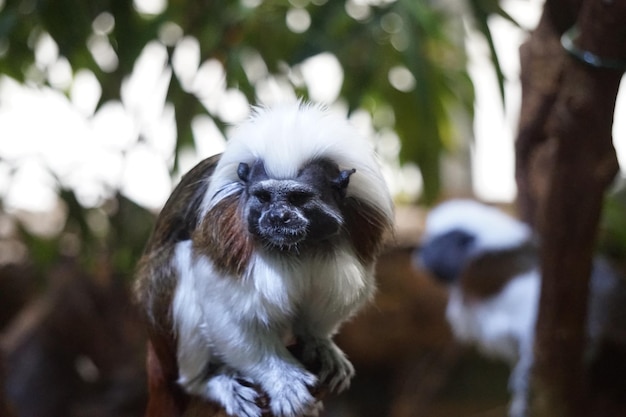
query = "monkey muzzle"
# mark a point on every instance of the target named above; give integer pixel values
(287, 214)
(282, 225)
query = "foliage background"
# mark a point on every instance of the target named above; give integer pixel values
(403, 65)
(403, 62)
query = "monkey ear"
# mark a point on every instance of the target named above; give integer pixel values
(343, 179)
(243, 171)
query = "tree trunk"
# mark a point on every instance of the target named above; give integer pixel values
(566, 119)
(5, 407)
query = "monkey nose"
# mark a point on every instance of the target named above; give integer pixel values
(280, 216)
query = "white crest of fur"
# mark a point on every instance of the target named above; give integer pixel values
(493, 229)
(288, 136)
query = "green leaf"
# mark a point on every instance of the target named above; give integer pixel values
(482, 10)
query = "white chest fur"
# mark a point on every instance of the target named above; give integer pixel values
(501, 324)
(274, 298)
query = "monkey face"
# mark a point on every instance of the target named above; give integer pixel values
(290, 213)
(445, 255)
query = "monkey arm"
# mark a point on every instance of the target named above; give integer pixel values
(255, 354)
(230, 324)
(339, 289)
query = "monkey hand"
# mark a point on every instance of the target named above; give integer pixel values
(334, 370)
(288, 388)
(237, 395)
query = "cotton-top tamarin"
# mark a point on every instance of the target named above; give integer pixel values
(490, 262)
(271, 243)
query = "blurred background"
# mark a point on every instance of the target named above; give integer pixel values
(104, 104)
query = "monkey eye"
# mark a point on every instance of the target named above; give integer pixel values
(243, 171)
(263, 196)
(299, 197)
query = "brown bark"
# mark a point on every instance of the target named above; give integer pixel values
(74, 349)
(541, 60)
(5, 408)
(567, 114)
(584, 165)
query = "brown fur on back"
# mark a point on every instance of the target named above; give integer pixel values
(486, 275)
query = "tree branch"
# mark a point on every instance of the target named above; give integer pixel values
(575, 118)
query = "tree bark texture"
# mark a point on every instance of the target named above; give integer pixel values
(565, 161)
(5, 407)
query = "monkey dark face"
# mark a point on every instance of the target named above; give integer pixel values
(288, 213)
(445, 255)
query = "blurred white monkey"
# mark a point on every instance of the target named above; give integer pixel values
(489, 260)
